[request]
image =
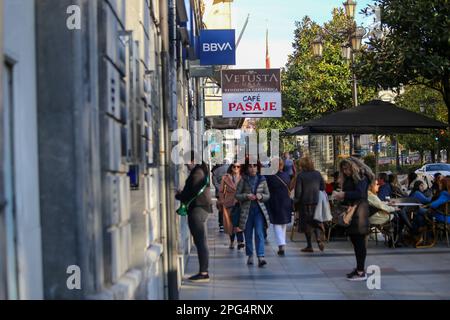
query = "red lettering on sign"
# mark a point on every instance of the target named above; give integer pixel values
(240, 107)
(257, 107)
(273, 106)
(231, 106)
(248, 106)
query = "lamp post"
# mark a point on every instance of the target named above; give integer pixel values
(349, 48)
(350, 7)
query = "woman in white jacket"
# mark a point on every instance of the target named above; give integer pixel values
(385, 213)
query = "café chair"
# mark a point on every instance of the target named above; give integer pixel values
(386, 229)
(436, 227)
(442, 223)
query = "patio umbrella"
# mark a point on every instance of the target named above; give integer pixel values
(313, 130)
(375, 117)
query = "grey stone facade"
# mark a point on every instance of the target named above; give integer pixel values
(108, 97)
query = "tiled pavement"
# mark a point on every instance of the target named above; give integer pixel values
(406, 273)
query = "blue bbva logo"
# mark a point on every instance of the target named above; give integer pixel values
(217, 47)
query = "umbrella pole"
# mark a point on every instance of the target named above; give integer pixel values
(335, 153)
(376, 154)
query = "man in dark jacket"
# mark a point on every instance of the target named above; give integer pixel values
(385, 187)
(198, 211)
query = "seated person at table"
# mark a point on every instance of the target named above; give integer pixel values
(397, 191)
(413, 178)
(435, 188)
(417, 192)
(385, 188)
(435, 207)
(380, 212)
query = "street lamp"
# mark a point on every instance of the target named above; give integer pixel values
(422, 107)
(346, 51)
(317, 46)
(356, 38)
(350, 7)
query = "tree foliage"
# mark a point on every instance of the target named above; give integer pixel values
(434, 107)
(414, 48)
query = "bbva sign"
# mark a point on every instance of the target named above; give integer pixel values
(213, 47)
(217, 47)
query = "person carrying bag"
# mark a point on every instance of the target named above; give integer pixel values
(196, 203)
(183, 209)
(323, 211)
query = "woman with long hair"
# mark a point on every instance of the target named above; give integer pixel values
(198, 211)
(280, 204)
(227, 192)
(355, 177)
(417, 192)
(307, 187)
(252, 192)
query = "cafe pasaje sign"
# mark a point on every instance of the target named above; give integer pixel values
(251, 93)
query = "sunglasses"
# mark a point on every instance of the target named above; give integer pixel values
(234, 167)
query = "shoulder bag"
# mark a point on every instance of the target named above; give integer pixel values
(183, 209)
(345, 218)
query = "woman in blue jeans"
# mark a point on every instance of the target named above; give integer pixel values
(252, 192)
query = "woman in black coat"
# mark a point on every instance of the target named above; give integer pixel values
(356, 177)
(308, 185)
(280, 204)
(198, 212)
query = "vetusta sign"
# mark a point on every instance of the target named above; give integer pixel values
(251, 93)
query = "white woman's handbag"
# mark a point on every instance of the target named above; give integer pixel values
(323, 211)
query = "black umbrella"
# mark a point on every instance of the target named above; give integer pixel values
(376, 116)
(313, 130)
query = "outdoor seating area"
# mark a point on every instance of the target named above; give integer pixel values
(435, 227)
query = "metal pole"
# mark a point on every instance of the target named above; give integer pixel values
(335, 153)
(357, 137)
(376, 154)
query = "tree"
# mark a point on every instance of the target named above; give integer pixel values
(413, 98)
(415, 49)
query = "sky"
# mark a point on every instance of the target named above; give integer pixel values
(279, 17)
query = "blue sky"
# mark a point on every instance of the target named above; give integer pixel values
(279, 16)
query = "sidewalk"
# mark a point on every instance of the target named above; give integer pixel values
(406, 273)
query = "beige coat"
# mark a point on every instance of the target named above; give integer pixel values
(227, 191)
(243, 190)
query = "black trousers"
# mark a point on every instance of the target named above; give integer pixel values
(197, 225)
(359, 244)
(238, 235)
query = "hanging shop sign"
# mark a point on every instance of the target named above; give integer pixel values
(217, 47)
(251, 93)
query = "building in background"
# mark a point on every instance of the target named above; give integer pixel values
(86, 177)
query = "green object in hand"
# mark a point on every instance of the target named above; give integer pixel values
(183, 209)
